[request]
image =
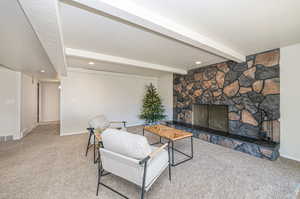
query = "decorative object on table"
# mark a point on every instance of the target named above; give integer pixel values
(172, 135)
(130, 157)
(152, 110)
(97, 125)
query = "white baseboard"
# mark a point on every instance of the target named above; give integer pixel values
(73, 133)
(49, 122)
(85, 131)
(289, 157)
(298, 191)
(29, 129)
(26, 131)
(134, 124)
(16, 137)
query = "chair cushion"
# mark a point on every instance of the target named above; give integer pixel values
(99, 122)
(125, 143)
(130, 169)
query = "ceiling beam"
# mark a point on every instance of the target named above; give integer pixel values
(45, 20)
(131, 13)
(121, 60)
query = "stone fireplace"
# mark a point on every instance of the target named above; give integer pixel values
(247, 96)
(214, 117)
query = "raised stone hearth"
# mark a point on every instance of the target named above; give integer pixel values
(258, 148)
(251, 90)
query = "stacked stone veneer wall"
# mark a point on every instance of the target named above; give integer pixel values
(250, 89)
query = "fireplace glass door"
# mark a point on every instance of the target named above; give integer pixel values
(211, 116)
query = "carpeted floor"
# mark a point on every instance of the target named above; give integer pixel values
(45, 165)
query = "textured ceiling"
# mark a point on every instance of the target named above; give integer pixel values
(101, 34)
(20, 48)
(248, 26)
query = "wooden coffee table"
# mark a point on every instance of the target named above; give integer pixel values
(171, 134)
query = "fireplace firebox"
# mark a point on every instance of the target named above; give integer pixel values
(210, 116)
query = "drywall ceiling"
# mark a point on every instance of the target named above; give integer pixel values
(101, 34)
(248, 26)
(20, 48)
(167, 36)
(45, 20)
(112, 67)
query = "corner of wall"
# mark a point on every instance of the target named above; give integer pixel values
(289, 102)
(165, 88)
(18, 133)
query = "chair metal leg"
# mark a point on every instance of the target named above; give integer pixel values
(144, 180)
(88, 144)
(98, 184)
(94, 149)
(101, 173)
(99, 161)
(192, 148)
(100, 170)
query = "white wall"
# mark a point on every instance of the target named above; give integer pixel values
(18, 103)
(49, 102)
(290, 102)
(165, 88)
(10, 103)
(28, 104)
(86, 94)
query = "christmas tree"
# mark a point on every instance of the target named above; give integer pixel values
(152, 110)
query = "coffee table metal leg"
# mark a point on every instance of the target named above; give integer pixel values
(158, 142)
(189, 156)
(172, 145)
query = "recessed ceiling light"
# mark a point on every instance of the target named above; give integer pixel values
(198, 62)
(42, 71)
(91, 63)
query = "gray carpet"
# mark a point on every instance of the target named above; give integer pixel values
(45, 165)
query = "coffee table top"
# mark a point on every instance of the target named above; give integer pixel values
(168, 132)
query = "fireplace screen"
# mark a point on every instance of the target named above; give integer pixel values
(211, 116)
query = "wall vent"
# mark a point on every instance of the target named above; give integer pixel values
(6, 138)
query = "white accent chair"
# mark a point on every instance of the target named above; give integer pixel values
(130, 157)
(100, 123)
